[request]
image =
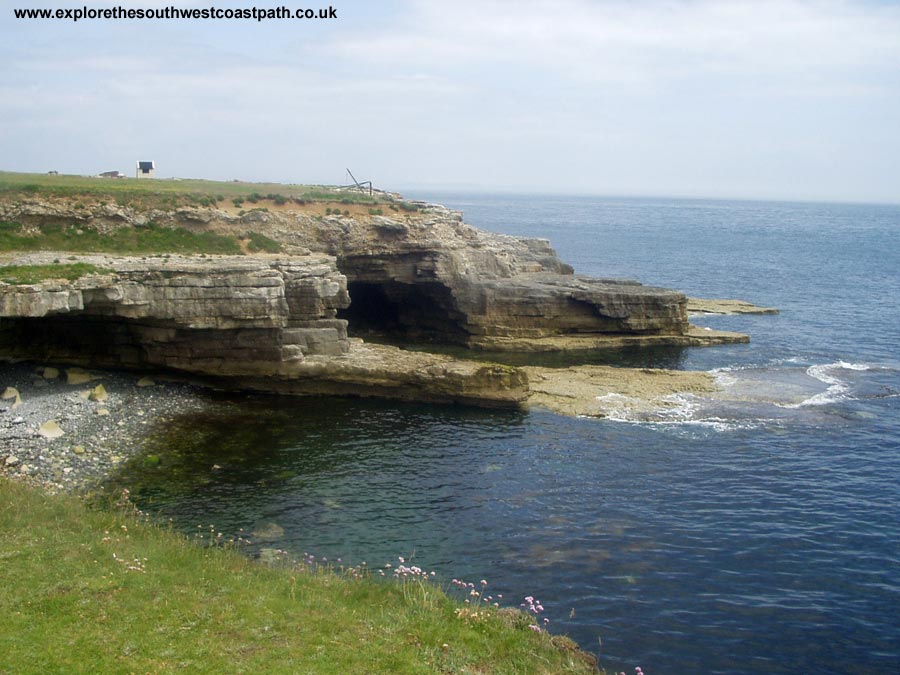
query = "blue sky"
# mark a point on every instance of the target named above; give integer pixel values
(749, 99)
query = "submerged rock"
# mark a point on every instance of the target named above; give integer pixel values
(268, 532)
(601, 391)
(272, 557)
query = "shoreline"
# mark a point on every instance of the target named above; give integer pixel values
(92, 438)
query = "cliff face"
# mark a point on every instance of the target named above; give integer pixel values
(281, 323)
(253, 323)
(220, 315)
(424, 275)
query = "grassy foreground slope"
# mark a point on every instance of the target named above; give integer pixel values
(97, 591)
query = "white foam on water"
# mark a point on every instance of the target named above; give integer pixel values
(722, 378)
(718, 424)
(853, 366)
(768, 364)
(676, 411)
(679, 408)
(749, 397)
(827, 373)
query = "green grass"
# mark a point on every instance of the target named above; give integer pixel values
(92, 590)
(261, 243)
(34, 274)
(161, 193)
(126, 240)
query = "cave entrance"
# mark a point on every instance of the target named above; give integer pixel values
(118, 342)
(404, 312)
(73, 338)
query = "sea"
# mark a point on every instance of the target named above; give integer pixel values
(755, 533)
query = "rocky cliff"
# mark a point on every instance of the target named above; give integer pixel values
(281, 322)
(218, 315)
(422, 274)
(252, 323)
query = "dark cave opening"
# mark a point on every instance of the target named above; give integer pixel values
(117, 342)
(404, 312)
(371, 310)
(72, 338)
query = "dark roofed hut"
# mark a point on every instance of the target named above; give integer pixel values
(145, 169)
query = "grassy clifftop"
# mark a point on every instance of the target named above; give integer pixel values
(41, 212)
(98, 591)
(156, 193)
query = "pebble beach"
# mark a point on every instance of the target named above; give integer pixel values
(67, 428)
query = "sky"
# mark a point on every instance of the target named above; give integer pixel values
(750, 99)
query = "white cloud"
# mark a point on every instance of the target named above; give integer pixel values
(659, 96)
(637, 43)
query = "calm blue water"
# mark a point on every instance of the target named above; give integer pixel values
(759, 533)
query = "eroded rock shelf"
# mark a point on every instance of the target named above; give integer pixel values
(283, 322)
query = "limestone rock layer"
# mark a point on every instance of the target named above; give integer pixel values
(423, 275)
(217, 315)
(281, 322)
(264, 324)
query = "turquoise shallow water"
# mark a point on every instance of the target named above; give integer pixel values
(755, 534)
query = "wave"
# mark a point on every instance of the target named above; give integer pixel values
(753, 396)
(679, 411)
(838, 389)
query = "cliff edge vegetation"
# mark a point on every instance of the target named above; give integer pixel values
(164, 193)
(100, 590)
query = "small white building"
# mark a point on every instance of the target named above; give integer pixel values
(145, 169)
